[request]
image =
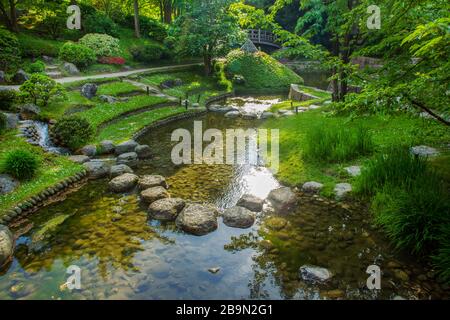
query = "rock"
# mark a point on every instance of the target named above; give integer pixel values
(149, 181)
(119, 169)
(107, 147)
(238, 217)
(267, 115)
(401, 275)
(424, 151)
(79, 159)
(166, 209)
(89, 150)
(6, 245)
(130, 159)
(295, 93)
(342, 189)
(220, 109)
(312, 273)
(7, 184)
(29, 111)
(275, 223)
(170, 83)
(335, 294)
(251, 202)
(249, 116)
(285, 113)
(312, 187)
(197, 219)
(232, 114)
(313, 107)
(150, 195)
(127, 146)
(2, 77)
(12, 119)
(353, 170)
(196, 105)
(107, 99)
(123, 182)
(20, 77)
(143, 151)
(96, 169)
(89, 90)
(47, 59)
(283, 200)
(70, 68)
(214, 270)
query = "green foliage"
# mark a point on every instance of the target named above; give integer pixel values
(9, 50)
(336, 144)
(72, 132)
(77, 54)
(222, 81)
(103, 45)
(442, 256)
(147, 52)
(149, 27)
(7, 99)
(98, 22)
(36, 67)
(3, 122)
(34, 47)
(21, 164)
(260, 70)
(40, 88)
(53, 24)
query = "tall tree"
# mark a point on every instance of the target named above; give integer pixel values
(8, 10)
(137, 28)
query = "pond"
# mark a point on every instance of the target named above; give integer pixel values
(123, 254)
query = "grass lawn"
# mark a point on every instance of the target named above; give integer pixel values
(286, 105)
(59, 107)
(386, 131)
(53, 169)
(125, 128)
(117, 88)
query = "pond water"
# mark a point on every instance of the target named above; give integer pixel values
(125, 255)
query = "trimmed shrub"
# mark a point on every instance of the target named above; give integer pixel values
(72, 132)
(150, 28)
(147, 52)
(98, 22)
(33, 47)
(3, 122)
(112, 60)
(21, 164)
(40, 88)
(103, 45)
(36, 67)
(77, 54)
(7, 99)
(53, 25)
(219, 73)
(9, 50)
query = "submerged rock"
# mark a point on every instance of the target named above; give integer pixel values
(143, 151)
(7, 184)
(283, 200)
(166, 209)
(232, 114)
(149, 181)
(127, 146)
(150, 195)
(123, 182)
(312, 187)
(251, 202)
(342, 189)
(197, 219)
(238, 217)
(119, 169)
(130, 159)
(314, 273)
(49, 227)
(6, 245)
(96, 169)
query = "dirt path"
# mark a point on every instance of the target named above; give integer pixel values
(113, 75)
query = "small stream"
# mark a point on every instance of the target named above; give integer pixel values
(125, 255)
(37, 133)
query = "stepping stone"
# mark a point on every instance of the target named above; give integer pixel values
(54, 74)
(312, 187)
(424, 151)
(150, 195)
(251, 202)
(96, 169)
(166, 209)
(127, 146)
(353, 170)
(79, 159)
(123, 182)
(238, 217)
(130, 159)
(119, 169)
(342, 189)
(197, 219)
(283, 200)
(149, 181)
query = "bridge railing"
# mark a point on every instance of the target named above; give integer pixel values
(261, 36)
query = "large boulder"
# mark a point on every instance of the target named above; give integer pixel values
(29, 111)
(251, 202)
(249, 116)
(89, 90)
(166, 209)
(238, 217)
(341, 190)
(89, 150)
(150, 195)
(149, 181)
(6, 245)
(96, 169)
(283, 200)
(70, 68)
(143, 151)
(12, 119)
(312, 273)
(119, 169)
(20, 77)
(79, 159)
(130, 159)
(107, 147)
(197, 219)
(123, 182)
(312, 187)
(127, 146)
(7, 184)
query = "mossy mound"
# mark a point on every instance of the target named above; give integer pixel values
(259, 71)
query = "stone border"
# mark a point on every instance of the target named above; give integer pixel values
(219, 97)
(29, 205)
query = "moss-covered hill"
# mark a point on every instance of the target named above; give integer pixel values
(259, 70)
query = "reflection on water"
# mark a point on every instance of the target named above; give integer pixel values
(124, 255)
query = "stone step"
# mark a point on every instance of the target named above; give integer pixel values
(54, 74)
(50, 68)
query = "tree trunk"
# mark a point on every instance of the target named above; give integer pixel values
(168, 11)
(207, 59)
(13, 14)
(137, 28)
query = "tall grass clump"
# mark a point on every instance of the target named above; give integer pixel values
(335, 144)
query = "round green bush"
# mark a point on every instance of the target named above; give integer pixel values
(36, 67)
(7, 98)
(72, 132)
(77, 54)
(98, 22)
(103, 45)
(9, 50)
(147, 52)
(3, 122)
(21, 164)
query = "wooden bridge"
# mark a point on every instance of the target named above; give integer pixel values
(264, 37)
